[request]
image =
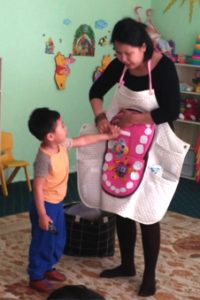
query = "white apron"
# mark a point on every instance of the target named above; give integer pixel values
(150, 201)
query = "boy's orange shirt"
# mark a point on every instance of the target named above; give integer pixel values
(55, 169)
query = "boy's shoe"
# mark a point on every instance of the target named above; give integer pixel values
(55, 275)
(42, 285)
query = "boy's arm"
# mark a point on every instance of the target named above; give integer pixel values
(85, 140)
(43, 218)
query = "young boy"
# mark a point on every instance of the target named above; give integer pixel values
(51, 170)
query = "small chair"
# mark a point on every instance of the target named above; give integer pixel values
(8, 161)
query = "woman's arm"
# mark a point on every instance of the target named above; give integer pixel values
(106, 81)
(99, 88)
(166, 85)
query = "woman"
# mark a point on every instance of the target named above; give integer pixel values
(142, 71)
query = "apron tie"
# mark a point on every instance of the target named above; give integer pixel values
(121, 80)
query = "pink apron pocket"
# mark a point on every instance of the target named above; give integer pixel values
(125, 160)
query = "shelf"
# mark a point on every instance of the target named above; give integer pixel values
(188, 177)
(190, 93)
(188, 130)
(187, 65)
(188, 122)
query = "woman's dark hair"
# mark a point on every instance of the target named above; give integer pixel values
(42, 121)
(133, 33)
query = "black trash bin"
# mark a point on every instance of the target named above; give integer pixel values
(90, 237)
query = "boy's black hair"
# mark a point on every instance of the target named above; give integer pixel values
(42, 121)
(133, 33)
(74, 292)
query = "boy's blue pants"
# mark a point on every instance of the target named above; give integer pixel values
(46, 248)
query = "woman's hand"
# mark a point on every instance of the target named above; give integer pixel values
(126, 118)
(104, 126)
(123, 118)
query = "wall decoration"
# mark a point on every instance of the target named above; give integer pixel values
(49, 47)
(160, 44)
(106, 59)
(101, 24)
(67, 21)
(190, 2)
(104, 41)
(62, 70)
(84, 41)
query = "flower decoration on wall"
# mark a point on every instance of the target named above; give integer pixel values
(190, 2)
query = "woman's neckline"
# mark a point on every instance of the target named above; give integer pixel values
(155, 60)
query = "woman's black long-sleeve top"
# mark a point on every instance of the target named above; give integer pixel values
(164, 81)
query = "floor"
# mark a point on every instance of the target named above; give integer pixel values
(178, 275)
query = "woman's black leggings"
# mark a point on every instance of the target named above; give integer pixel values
(126, 231)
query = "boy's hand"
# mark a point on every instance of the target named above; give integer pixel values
(44, 221)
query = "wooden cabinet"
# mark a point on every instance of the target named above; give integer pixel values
(188, 130)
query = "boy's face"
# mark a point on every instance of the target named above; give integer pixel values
(60, 131)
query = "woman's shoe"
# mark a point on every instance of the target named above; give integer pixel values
(147, 290)
(119, 271)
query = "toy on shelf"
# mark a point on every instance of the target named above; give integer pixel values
(185, 87)
(196, 52)
(196, 81)
(172, 53)
(160, 44)
(189, 110)
(197, 151)
(181, 58)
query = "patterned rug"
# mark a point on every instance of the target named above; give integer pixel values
(178, 274)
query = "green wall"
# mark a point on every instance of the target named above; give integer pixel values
(28, 72)
(175, 23)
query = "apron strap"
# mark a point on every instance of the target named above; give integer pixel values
(121, 80)
(150, 78)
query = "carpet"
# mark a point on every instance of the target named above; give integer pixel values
(177, 272)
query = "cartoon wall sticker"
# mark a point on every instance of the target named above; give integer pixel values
(101, 24)
(106, 59)
(62, 70)
(103, 41)
(67, 21)
(84, 41)
(49, 46)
